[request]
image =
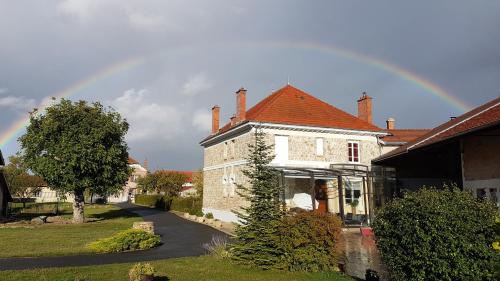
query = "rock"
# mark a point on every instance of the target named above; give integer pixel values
(147, 226)
(200, 219)
(186, 215)
(218, 224)
(192, 217)
(209, 221)
(55, 219)
(38, 220)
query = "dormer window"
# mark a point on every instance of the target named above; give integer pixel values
(353, 151)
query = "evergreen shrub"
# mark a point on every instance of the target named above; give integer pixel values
(437, 235)
(128, 240)
(311, 241)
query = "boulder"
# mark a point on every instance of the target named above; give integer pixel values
(38, 220)
(186, 215)
(209, 221)
(53, 219)
(192, 217)
(147, 226)
(200, 219)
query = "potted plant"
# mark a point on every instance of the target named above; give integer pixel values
(141, 272)
(354, 205)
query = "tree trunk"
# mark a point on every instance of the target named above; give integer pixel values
(78, 204)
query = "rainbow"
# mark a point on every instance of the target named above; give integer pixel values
(16, 128)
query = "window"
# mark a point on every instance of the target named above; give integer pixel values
(353, 151)
(232, 150)
(319, 146)
(281, 148)
(352, 190)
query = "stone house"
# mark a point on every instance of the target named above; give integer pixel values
(464, 151)
(317, 146)
(5, 196)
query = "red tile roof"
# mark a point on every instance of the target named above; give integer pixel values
(486, 115)
(132, 161)
(291, 106)
(188, 174)
(403, 135)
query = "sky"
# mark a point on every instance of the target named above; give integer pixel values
(163, 64)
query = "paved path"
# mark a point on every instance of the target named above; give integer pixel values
(180, 238)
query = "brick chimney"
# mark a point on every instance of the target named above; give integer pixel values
(215, 119)
(365, 108)
(241, 104)
(233, 120)
(390, 123)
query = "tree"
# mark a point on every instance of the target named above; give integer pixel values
(198, 183)
(258, 233)
(77, 145)
(168, 182)
(171, 182)
(21, 183)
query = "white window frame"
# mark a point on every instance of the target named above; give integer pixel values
(351, 143)
(320, 146)
(349, 185)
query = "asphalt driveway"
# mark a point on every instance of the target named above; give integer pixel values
(180, 238)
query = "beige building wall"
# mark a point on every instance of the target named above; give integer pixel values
(224, 161)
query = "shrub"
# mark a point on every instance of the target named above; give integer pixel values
(218, 247)
(310, 241)
(128, 240)
(437, 235)
(209, 215)
(139, 270)
(154, 201)
(191, 205)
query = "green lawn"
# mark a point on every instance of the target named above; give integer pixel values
(53, 240)
(188, 269)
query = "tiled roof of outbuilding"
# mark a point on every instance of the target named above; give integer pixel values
(480, 117)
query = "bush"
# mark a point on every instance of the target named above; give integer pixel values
(191, 205)
(209, 215)
(437, 235)
(153, 201)
(128, 240)
(139, 270)
(310, 241)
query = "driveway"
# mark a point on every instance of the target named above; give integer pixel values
(180, 238)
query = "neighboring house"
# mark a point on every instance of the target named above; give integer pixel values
(463, 151)
(5, 196)
(317, 146)
(130, 188)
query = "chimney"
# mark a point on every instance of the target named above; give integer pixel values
(241, 103)
(215, 119)
(233, 120)
(390, 123)
(365, 108)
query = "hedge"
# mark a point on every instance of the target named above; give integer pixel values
(437, 235)
(191, 205)
(128, 240)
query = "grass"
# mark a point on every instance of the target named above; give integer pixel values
(27, 240)
(183, 269)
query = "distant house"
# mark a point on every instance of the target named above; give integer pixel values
(463, 151)
(130, 188)
(5, 196)
(318, 149)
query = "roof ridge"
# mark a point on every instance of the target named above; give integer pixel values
(272, 99)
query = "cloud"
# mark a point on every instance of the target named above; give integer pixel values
(196, 85)
(149, 120)
(83, 10)
(145, 22)
(202, 120)
(17, 103)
